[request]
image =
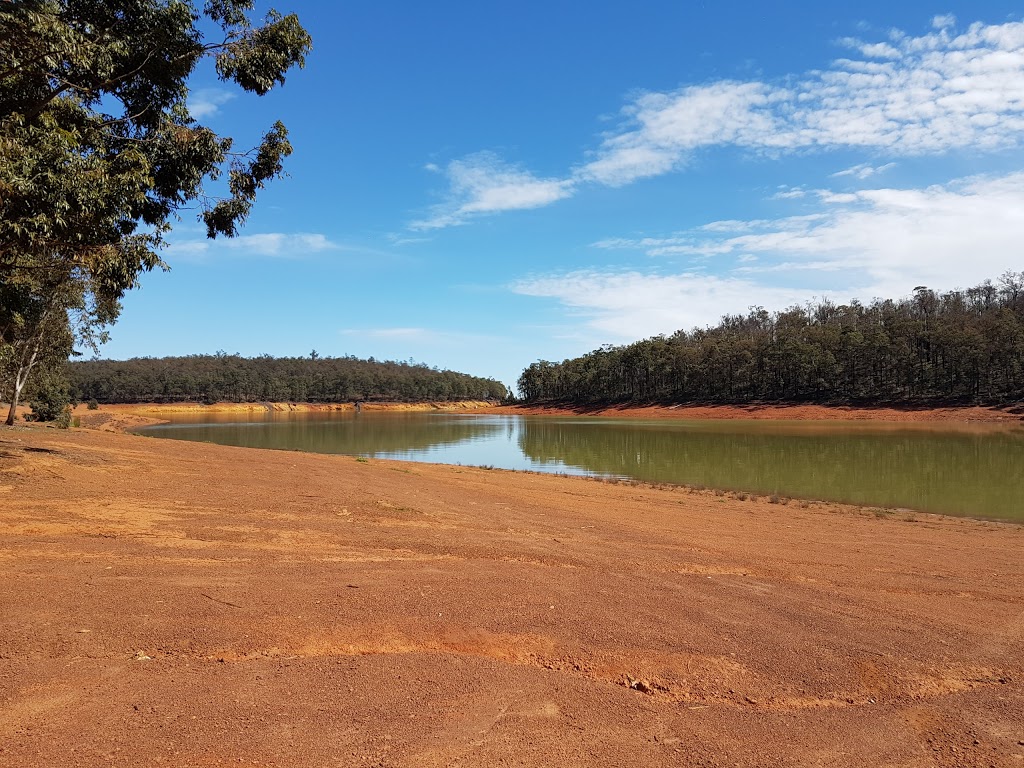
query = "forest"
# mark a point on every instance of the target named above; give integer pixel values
(963, 346)
(233, 378)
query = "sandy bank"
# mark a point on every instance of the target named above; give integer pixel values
(123, 417)
(196, 605)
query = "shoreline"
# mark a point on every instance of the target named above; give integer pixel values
(126, 416)
(122, 417)
(781, 412)
(193, 604)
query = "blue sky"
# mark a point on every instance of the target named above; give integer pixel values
(478, 186)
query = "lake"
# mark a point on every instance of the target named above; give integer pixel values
(960, 469)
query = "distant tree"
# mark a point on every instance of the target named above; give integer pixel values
(213, 378)
(98, 151)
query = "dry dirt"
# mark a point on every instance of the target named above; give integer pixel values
(184, 604)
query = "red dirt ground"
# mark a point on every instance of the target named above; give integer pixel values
(185, 604)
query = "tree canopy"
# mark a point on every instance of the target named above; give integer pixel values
(317, 379)
(99, 153)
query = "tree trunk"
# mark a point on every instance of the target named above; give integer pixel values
(21, 376)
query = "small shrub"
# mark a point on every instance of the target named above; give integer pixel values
(52, 401)
(93, 405)
(774, 499)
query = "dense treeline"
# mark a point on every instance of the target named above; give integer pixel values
(963, 345)
(232, 378)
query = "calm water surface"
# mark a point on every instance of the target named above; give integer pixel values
(973, 470)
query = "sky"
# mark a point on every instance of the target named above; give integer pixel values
(478, 186)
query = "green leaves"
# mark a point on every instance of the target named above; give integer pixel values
(245, 180)
(228, 12)
(259, 58)
(98, 151)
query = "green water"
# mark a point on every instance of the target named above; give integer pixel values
(972, 470)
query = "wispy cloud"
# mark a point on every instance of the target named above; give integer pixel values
(789, 193)
(877, 242)
(268, 244)
(624, 306)
(944, 235)
(398, 239)
(905, 96)
(663, 128)
(281, 244)
(863, 171)
(208, 101)
(483, 183)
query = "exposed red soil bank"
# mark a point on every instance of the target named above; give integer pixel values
(784, 412)
(124, 417)
(188, 604)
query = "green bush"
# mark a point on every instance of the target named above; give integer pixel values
(64, 419)
(51, 401)
(93, 405)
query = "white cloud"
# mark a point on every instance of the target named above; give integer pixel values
(876, 242)
(483, 183)
(915, 95)
(953, 234)
(272, 244)
(789, 193)
(207, 101)
(187, 248)
(280, 244)
(624, 306)
(667, 126)
(878, 50)
(864, 171)
(397, 239)
(907, 96)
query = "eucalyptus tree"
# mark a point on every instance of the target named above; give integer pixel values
(99, 153)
